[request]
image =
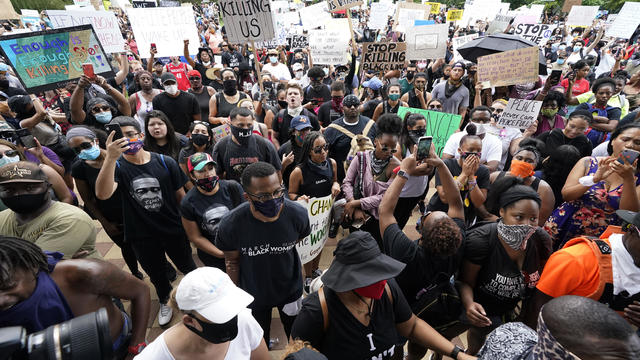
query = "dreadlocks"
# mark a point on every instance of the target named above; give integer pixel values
(19, 254)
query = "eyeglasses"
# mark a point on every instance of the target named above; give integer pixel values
(266, 197)
(84, 146)
(467, 154)
(9, 153)
(131, 134)
(497, 111)
(319, 149)
(435, 106)
(194, 78)
(98, 109)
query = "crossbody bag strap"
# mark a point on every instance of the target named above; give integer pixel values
(325, 309)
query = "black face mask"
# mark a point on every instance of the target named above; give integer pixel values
(415, 135)
(207, 184)
(242, 135)
(230, 87)
(216, 333)
(199, 139)
(283, 104)
(26, 203)
(410, 75)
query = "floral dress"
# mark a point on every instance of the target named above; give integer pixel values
(589, 215)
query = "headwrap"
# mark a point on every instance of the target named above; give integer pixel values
(95, 101)
(518, 193)
(548, 347)
(76, 131)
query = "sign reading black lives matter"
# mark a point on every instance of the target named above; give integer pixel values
(248, 20)
(520, 113)
(384, 56)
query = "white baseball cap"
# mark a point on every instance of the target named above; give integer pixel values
(297, 66)
(211, 293)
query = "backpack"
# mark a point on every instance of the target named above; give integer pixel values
(438, 303)
(359, 142)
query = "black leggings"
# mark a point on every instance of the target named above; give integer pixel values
(263, 317)
(404, 209)
(128, 254)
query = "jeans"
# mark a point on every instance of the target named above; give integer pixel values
(263, 317)
(151, 255)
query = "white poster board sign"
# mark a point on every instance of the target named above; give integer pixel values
(82, 3)
(520, 114)
(329, 46)
(247, 20)
(626, 22)
(319, 210)
(582, 15)
(166, 27)
(104, 23)
(427, 41)
(456, 42)
(407, 17)
(537, 33)
(499, 24)
(315, 16)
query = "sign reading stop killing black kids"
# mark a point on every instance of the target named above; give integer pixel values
(247, 20)
(384, 56)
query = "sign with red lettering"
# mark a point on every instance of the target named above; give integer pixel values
(537, 33)
(519, 113)
(247, 20)
(104, 24)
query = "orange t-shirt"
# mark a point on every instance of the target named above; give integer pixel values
(571, 271)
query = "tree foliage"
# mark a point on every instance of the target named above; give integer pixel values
(40, 4)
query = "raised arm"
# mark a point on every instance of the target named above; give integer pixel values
(123, 104)
(185, 52)
(121, 75)
(34, 120)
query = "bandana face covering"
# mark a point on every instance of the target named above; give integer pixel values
(521, 169)
(373, 291)
(207, 184)
(336, 103)
(548, 347)
(516, 236)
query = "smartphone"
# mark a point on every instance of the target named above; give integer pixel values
(153, 46)
(88, 70)
(26, 138)
(424, 147)
(114, 127)
(629, 156)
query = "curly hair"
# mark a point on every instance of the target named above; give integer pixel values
(390, 124)
(555, 95)
(443, 238)
(295, 346)
(603, 82)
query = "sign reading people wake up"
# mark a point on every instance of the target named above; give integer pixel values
(47, 60)
(511, 67)
(247, 20)
(335, 5)
(384, 56)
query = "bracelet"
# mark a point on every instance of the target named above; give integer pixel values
(587, 181)
(456, 350)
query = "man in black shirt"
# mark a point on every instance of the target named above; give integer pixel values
(259, 243)
(281, 124)
(316, 92)
(331, 111)
(180, 106)
(231, 57)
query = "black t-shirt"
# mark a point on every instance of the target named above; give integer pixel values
(286, 148)
(232, 59)
(556, 138)
(270, 267)
(283, 123)
(483, 182)
(112, 207)
(319, 96)
(207, 210)
(232, 159)
(203, 74)
(326, 114)
(422, 267)
(500, 285)
(369, 107)
(340, 144)
(149, 204)
(189, 150)
(180, 109)
(346, 334)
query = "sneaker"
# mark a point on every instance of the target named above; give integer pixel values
(164, 314)
(316, 273)
(421, 206)
(307, 285)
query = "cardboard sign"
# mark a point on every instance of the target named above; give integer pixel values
(329, 46)
(427, 41)
(407, 13)
(439, 125)
(298, 41)
(46, 60)
(538, 33)
(458, 41)
(582, 15)
(568, 4)
(520, 114)
(335, 5)
(247, 20)
(166, 27)
(499, 24)
(626, 22)
(7, 11)
(435, 7)
(319, 210)
(454, 15)
(379, 15)
(512, 67)
(315, 16)
(105, 24)
(383, 56)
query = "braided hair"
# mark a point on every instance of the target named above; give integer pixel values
(307, 146)
(16, 254)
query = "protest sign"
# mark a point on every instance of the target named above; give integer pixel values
(220, 131)
(319, 210)
(298, 41)
(511, 67)
(520, 113)
(626, 22)
(439, 125)
(329, 46)
(46, 60)
(582, 15)
(407, 13)
(379, 15)
(315, 16)
(104, 24)
(538, 33)
(383, 56)
(458, 41)
(143, 4)
(426, 41)
(499, 24)
(169, 3)
(247, 20)
(435, 7)
(335, 5)
(454, 15)
(568, 4)
(83, 3)
(166, 27)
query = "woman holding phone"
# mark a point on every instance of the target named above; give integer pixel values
(597, 187)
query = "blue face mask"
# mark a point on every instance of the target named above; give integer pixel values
(4, 160)
(273, 59)
(90, 154)
(103, 117)
(560, 61)
(269, 208)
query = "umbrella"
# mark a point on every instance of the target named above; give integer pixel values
(496, 43)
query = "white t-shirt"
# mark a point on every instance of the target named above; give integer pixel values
(600, 150)
(280, 71)
(626, 275)
(249, 336)
(506, 136)
(491, 147)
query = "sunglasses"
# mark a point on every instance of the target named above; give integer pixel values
(98, 109)
(320, 149)
(467, 154)
(497, 111)
(84, 146)
(435, 106)
(350, 106)
(194, 78)
(9, 153)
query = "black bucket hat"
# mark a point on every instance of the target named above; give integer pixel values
(358, 263)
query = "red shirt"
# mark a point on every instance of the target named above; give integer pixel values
(579, 86)
(180, 72)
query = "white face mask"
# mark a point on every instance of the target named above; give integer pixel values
(480, 129)
(171, 89)
(299, 74)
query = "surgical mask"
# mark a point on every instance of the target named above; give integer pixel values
(373, 291)
(560, 61)
(134, 147)
(299, 74)
(521, 169)
(103, 117)
(4, 160)
(515, 236)
(269, 208)
(90, 154)
(216, 333)
(577, 47)
(415, 135)
(562, 47)
(273, 59)
(199, 139)
(394, 97)
(230, 87)
(549, 112)
(480, 129)
(171, 89)
(242, 135)
(26, 203)
(326, 71)
(207, 184)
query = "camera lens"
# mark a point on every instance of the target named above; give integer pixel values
(84, 337)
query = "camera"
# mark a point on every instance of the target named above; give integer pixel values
(84, 337)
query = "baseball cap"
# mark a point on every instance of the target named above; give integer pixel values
(194, 73)
(297, 66)
(300, 122)
(167, 77)
(22, 171)
(211, 293)
(198, 161)
(631, 217)
(374, 83)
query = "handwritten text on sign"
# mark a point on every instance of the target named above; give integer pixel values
(381, 56)
(329, 46)
(626, 22)
(47, 60)
(319, 210)
(537, 33)
(335, 5)
(520, 113)
(454, 15)
(104, 23)
(511, 67)
(166, 27)
(439, 125)
(247, 20)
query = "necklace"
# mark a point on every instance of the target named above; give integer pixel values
(369, 306)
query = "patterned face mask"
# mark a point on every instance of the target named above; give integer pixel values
(515, 236)
(548, 347)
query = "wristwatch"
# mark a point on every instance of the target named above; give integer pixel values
(456, 350)
(135, 350)
(403, 174)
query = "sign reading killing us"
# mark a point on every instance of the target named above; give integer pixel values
(247, 20)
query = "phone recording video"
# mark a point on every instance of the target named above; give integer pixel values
(424, 147)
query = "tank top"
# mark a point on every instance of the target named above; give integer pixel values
(413, 100)
(534, 185)
(203, 102)
(415, 185)
(180, 72)
(388, 109)
(143, 107)
(316, 182)
(224, 107)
